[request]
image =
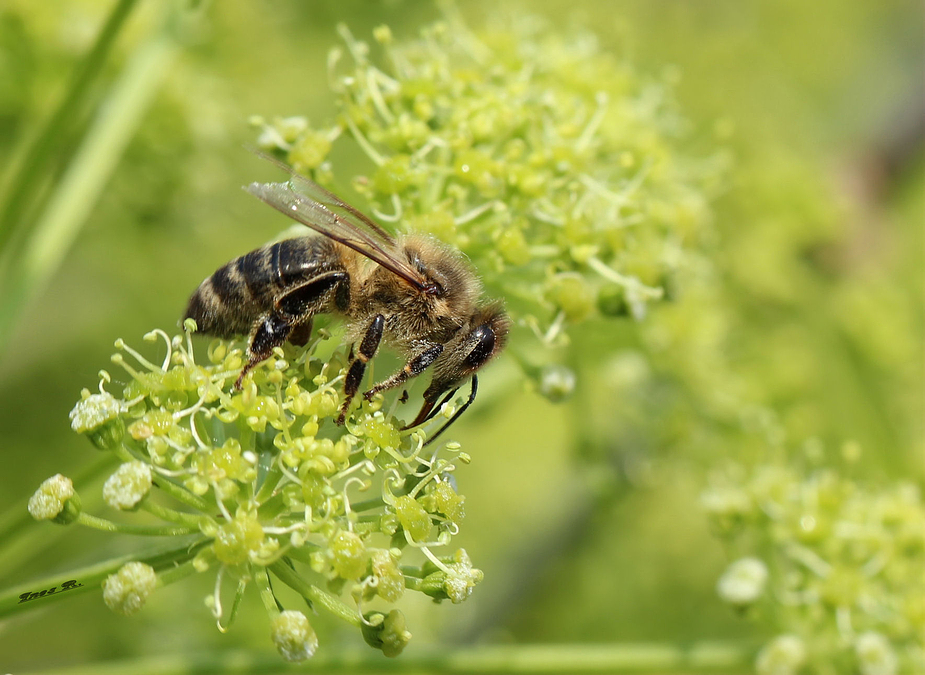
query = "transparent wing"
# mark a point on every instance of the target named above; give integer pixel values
(307, 202)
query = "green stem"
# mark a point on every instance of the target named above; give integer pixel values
(170, 515)
(29, 596)
(181, 494)
(28, 177)
(367, 505)
(86, 175)
(121, 528)
(314, 594)
(577, 659)
(262, 581)
(176, 573)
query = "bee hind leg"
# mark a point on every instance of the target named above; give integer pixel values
(270, 331)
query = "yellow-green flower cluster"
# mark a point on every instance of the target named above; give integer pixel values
(834, 560)
(264, 480)
(557, 168)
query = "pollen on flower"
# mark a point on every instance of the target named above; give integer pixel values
(128, 485)
(462, 579)
(93, 411)
(126, 591)
(293, 636)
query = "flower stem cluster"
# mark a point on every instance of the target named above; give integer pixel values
(266, 483)
(553, 165)
(833, 564)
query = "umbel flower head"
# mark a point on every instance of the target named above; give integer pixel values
(554, 166)
(262, 481)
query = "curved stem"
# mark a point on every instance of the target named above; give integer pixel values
(40, 592)
(314, 594)
(155, 531)
(28, 176)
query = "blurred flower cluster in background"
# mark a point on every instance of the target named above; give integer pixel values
(705, 221)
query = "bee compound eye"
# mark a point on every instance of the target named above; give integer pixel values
(484, 346)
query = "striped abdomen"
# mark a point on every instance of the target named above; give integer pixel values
(237, 294)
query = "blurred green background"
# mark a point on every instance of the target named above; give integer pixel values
(583, 515)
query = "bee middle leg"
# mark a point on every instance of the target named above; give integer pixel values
(367, 350)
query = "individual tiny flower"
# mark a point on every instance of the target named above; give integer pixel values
(784, 655)
(875, 654)
(349, 555)
(55, 500)
(239, 540)
(98, 416)
(413, 517)
(126, 591)
(462, 579)
(743, 582)
(728, 507)
(557, 382)
(128, 485)
(293, 636)
(390, 581)
(386, 632)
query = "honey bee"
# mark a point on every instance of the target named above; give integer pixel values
(412, 293)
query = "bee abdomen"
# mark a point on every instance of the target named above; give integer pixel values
(229, 301)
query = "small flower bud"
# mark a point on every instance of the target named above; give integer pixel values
(386, 632)
(126, 591)
(236, 539)
(413, 517)
(743, 582)
(97, 416)
(875, 654)
(349, 555)
(293, 636)
(447, 502)
(784, 655)
(570, 293)
(557, 382)
(128, 485)
(55, 500)
(391, 584)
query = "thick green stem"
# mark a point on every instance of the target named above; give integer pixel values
(121, 528)
(28, 176)
(87, 174)
(314, 594)
(40, 592)
(582, 659)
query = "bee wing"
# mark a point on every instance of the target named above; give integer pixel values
(307, 202)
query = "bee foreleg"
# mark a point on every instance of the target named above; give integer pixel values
(367, 350)
(414, 367)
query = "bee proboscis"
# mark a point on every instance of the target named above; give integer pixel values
(412, 293)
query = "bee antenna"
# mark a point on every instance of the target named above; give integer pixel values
(462, 409)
